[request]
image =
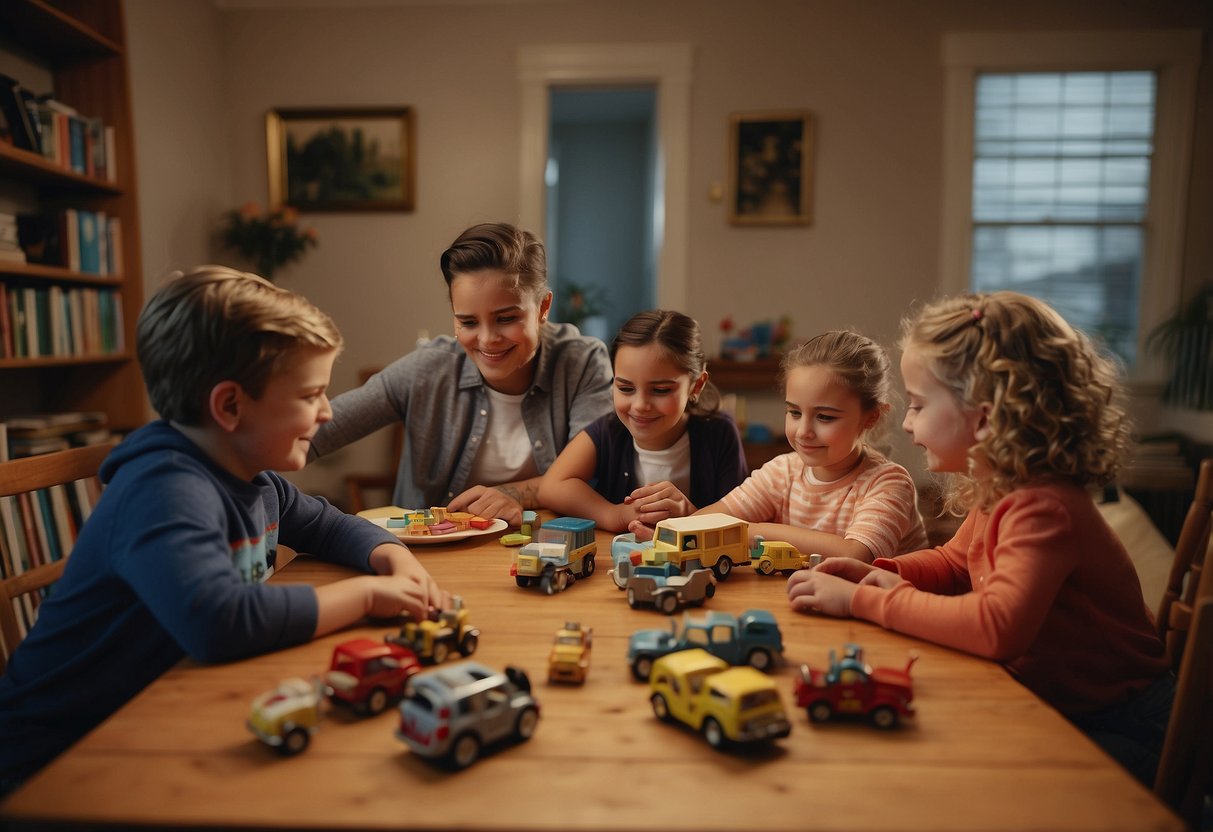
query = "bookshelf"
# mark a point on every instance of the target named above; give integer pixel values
(81, 45)
(759, 377)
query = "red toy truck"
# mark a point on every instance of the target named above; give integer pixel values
(851, 687)
(370, 673)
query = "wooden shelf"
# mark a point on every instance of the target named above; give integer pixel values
(25, 166)
(58, 274)
(760, 374)
(52, 34)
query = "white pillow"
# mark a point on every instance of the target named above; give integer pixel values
(1148, 549)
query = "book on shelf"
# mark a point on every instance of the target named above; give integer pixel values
(16, 114)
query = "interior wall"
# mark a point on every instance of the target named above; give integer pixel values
(175, 51)
(871, 73)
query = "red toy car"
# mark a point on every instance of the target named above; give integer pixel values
(370, 673)
(851, 687)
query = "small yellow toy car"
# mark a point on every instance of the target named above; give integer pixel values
(771, 556)
(286, 717)
(570, 657)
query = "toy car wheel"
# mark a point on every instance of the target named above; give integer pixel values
(587, 566)
(668, 603)
(713, 733)
(632, 602)
(522, 580)
(294, 741)
(440, 652)
(759, 658)
(765, 567)
(723, 568)
(642, 667)
(377, 701)
(820, 711)
(661, 708)
(709, 590)
(527, 720)
(468, 646)
(884, 717)
(465, 750)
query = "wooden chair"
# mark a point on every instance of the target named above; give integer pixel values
(356, 485)
(30, 474)
(1185, 622)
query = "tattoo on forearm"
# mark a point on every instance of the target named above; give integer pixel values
(526, 494)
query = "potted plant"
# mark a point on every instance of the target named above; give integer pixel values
(268, 240)
(1185, 341)
(581, 306)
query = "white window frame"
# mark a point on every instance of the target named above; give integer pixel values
(1174, 54)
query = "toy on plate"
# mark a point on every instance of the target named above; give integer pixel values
(286, 717)
(751, 638)
(437, 520)
(437, 637)
(715, 541)
(530, 522)
(727, 704)
(452, 712)
(849, 686)
(369, 674)
(569, 660)
(564, 550)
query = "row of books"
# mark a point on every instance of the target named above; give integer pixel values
(57, 131)
(40, 527)
(58, 321)
(83, 241)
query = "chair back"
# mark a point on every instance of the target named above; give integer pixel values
(25, 476)
(1174, 618)
(357, 484)
(1185, 771)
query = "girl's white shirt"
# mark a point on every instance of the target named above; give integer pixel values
(672, 463)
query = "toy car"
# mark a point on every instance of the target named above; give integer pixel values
(434, 639)
(726, 704)
(667, 590)
(715, 541)
(564, 550)
(771, 556)
(569, 660)
(369, 674)
(751, 638)
(286, 717)
(451, 713)
(626, 555)
(849, 686)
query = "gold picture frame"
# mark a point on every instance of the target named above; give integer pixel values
(770, 168)
(341, 159)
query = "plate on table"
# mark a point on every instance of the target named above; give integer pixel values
(379, 517)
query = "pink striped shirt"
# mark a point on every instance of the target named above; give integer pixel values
(875, 504)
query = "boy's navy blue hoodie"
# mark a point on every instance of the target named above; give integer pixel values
(169, 564)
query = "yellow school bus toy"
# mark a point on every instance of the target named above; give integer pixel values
(713, 541)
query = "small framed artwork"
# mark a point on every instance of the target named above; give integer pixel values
(770, 168)
(358, 159)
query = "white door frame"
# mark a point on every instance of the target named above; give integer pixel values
(668, 67)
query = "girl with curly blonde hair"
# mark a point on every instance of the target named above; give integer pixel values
(1024, 414)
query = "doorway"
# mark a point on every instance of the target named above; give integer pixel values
(602, 223)
(662, 67)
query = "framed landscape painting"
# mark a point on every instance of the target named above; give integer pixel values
(770, 168)
(359, 159)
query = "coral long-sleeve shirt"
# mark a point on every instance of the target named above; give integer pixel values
(1040, 583)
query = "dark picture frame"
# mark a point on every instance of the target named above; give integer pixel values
(341, 159)
(770, 168)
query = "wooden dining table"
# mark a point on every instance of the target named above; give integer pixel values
(980, 753)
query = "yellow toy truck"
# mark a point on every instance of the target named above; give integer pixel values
(434, 639)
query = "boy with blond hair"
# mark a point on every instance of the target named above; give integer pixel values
(173, 560)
